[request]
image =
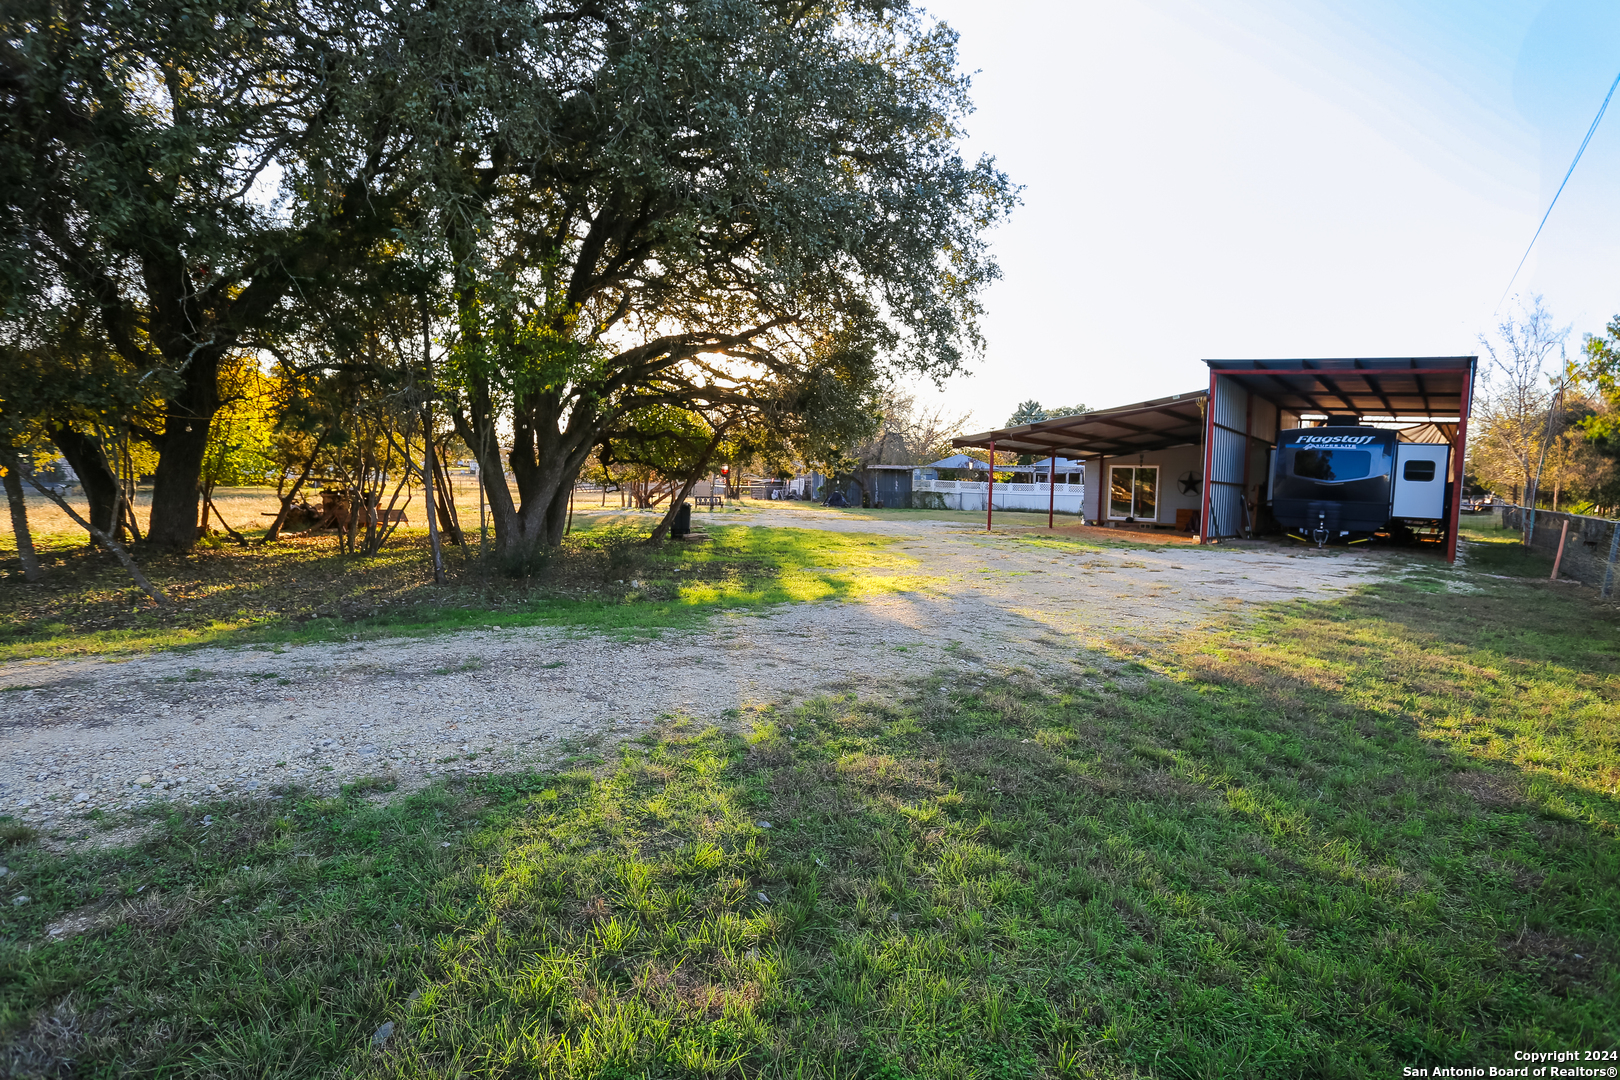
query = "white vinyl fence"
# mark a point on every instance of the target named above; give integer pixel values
(970, 495)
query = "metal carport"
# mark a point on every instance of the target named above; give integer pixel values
(1251, 400)
(1236, 421)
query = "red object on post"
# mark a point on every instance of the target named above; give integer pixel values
(1457, 471)
(1051, 490)
(990, 492)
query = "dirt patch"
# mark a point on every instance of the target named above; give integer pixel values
(1489, 789)
(245, 722)
(1563, 965)
(83, 920)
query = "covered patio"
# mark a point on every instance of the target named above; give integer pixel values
(1163, 433)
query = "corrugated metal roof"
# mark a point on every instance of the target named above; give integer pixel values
(956, 461)
(1368, 387)
(1127, 429)
(1383, 386)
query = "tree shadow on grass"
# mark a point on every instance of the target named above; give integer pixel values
(303, 591)
(1256, 868)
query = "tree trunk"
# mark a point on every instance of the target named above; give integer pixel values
(202, 517)
(175, 494)
(675, 501)
(449, 520)
(544, 468)
(108, 541)
(19, 519)
(83, 453)
(274, 532)
(186, 420)
(427, 493)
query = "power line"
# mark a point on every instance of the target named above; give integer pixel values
(1595, 121)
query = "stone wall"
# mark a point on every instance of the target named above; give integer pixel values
(1586, 551)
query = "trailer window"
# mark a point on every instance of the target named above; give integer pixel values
(1418, 470)
(1332, 464)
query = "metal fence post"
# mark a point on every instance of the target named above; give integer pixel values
(1614, 550)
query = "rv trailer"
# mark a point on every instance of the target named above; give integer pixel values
(1346, 483)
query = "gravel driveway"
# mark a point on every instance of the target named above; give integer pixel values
(193, 725)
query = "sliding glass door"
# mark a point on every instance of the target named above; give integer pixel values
(1133, 492)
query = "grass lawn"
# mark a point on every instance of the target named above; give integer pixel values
(1491, 549)
(303, 589)
(1337, 840)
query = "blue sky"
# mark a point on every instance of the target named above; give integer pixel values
(1259, 178)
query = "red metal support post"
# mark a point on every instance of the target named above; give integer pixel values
(1459, 453)
(990, 491)
(1051, 491)
(1209, 458)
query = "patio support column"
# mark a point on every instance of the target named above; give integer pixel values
(1051, 491)
(990, 490)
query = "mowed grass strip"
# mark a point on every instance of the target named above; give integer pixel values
(303, 589)
(1282, 857)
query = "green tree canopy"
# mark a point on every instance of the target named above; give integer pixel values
(1602, 370)
(679, 204)
(189, 171)
(1031, 412)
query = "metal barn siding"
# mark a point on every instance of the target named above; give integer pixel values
(1226, 456)
(892, 488)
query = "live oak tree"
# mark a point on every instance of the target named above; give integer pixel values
(187, 169)
(600, 207)
(654, 203)
(1032, 412)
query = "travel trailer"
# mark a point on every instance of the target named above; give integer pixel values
(1347, 483)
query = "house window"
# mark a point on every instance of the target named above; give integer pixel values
(1133, 492)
